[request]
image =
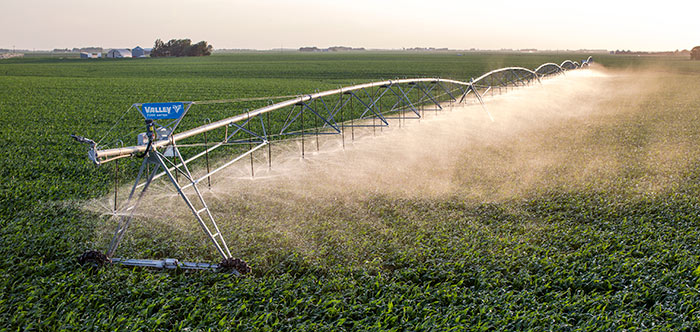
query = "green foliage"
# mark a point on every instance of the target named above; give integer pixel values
(595, 260)
(180, 47)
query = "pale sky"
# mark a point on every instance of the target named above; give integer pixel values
(456, 24)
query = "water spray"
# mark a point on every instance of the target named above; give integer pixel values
(159, 145)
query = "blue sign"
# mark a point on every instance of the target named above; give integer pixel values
(158, 111)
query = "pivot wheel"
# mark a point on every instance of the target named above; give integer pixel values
(235, 264)
(93, 257)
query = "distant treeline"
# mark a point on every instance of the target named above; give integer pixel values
(628, 52)
(93, 49)
(330, 49)
(180, 47)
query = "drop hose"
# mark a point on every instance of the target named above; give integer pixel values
(150, 133)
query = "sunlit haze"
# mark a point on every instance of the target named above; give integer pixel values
(456, 24)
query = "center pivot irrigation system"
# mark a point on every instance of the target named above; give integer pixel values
(333, 112)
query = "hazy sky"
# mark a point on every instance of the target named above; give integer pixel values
(458, 24)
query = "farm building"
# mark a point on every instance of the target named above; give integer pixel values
(139, 52)
(87, 55)
(695, 53)
(119, 53)
(10, 55)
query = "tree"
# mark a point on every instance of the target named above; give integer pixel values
(695, 53)
(199, 49)
(158, 49)
(180, 47)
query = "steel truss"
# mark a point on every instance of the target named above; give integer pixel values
(331, 112)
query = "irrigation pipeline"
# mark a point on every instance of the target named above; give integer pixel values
(253, 129)
(98, 155)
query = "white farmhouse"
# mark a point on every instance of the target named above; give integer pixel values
(119, 53)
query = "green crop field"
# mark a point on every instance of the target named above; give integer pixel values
(615, 247)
